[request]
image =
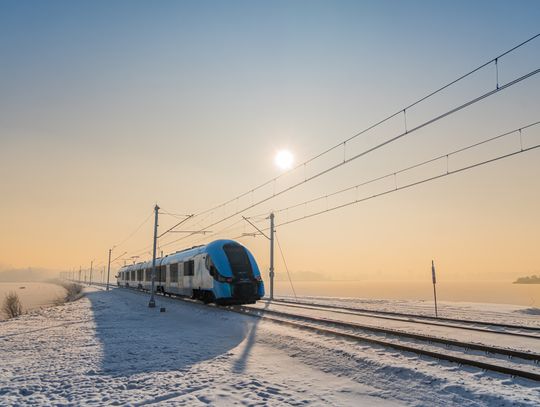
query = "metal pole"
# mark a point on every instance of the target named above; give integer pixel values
(109, 269)
(91, 265)
(434, 279)
(152, 302)
(271, 256)
(79, 274)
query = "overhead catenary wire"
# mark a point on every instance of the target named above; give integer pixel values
(403, 110)
(376, 147)
(413, 184)
(411, 167)
(176, 225)
(391, 174)
(221, 231)
(134, 232)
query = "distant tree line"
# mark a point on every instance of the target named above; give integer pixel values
(534, 279)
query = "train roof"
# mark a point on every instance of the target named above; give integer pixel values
(181, 255)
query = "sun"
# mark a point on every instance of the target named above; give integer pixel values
(284, 159)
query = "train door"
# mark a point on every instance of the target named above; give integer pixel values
(200, 279)
(207, 281)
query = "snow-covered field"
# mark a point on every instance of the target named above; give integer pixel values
(471, 311)
(109, 348)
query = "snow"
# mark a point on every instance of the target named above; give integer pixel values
(525, 344)
(472, 311)
(109, 348)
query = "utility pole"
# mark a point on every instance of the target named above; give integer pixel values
(79, 274)
(109, 269)
(152, 302)
(271, 256)
(91, 266)
(271, 239)
(434, 279)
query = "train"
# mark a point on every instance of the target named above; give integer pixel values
(221, 272)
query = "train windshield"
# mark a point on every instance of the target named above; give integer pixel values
(239, 261)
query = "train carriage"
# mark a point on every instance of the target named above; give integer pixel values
(223, 271)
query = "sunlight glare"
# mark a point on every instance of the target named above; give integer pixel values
(284, 159)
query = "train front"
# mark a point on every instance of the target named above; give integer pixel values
(237, 279)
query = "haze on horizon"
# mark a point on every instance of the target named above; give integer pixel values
(109, 107)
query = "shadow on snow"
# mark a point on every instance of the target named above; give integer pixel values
(138, 339)
(240, 364)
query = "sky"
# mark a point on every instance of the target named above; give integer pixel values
(109, 107)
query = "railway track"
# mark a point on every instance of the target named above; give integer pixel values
(441, 321)
(487, 357)
(500, 329)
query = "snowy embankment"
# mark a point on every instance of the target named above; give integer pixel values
(109, 348)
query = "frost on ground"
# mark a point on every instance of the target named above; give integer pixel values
(109, 348)
(471, 311)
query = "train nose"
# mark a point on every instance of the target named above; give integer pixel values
(244, 290)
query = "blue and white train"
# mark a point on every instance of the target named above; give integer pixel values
(223, 271)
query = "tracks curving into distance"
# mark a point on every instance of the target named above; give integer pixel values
(441, 321)
(506, 360)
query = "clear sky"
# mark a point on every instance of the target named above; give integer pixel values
(107, 107)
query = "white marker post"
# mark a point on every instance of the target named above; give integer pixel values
(434, 289)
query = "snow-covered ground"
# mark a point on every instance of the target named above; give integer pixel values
(109, 348)
(497, 338)
(471, 311)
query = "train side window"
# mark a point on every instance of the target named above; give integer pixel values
(127, 275)
(148, 275)
(174, 272)
(189, 268)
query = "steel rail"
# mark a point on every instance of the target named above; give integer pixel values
(402, 314)
(397, 332)
(407, 348)
(407, 319)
